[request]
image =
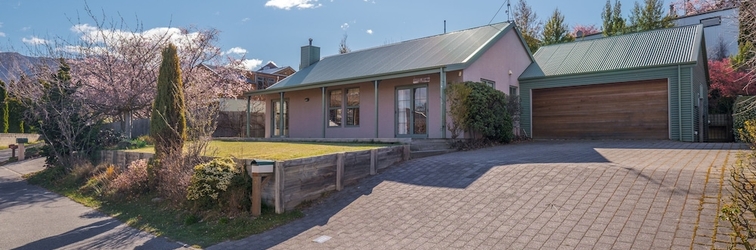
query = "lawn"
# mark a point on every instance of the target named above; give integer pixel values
(276, 150)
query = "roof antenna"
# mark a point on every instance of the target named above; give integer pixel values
(444, 26)
(509, 10)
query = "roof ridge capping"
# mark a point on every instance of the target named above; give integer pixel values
(630, 34)
(492, 25)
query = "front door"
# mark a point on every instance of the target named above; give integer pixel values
(412, 111)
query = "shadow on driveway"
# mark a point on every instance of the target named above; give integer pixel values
(458, 171)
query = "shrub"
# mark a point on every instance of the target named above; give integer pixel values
(99, 184)
(488, 113)
(134, 180)
(211, 179)
(109, 137)
(744, 110)
(456, 96)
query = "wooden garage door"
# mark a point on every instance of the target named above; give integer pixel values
(629, 110)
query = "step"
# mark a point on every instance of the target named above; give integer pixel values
(427, 153)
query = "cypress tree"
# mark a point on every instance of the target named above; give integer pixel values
(168, 120)
(3, 108)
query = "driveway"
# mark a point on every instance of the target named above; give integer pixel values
(33, 218)
(544, 194)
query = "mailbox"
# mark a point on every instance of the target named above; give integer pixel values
(260, 166)
(22, 140)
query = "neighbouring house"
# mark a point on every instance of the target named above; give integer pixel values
(391, 91)
(268, 75)
(722, 29)
(646, 85)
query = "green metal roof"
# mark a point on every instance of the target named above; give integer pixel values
(672, 46)
(454, 50)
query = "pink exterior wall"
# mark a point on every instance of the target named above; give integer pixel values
(506, 54)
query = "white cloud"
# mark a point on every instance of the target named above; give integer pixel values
(245, 19)
(251, 64)
(26, 28)
(345, 26)
(2, 34)
(288, 4)
(370, 32)
(95, 35)
(236, 50)
(34, 40)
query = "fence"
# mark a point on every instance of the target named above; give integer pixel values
(720, 128)
(139, 127)
(299, 180)
(230, 124)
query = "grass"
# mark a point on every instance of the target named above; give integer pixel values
(162, 219)
(276, 150)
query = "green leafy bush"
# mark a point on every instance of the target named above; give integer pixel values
(212, 178)
(744, 110)
(488, 113)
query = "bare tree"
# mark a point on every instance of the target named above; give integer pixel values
(527, 21)
(343, 48)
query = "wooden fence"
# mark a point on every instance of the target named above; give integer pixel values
(720, 128)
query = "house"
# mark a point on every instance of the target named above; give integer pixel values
(646, 85)
(721, 27)
(268, 75)
(391, 91)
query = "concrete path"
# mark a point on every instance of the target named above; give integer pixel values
(536, 195)
(34, 218)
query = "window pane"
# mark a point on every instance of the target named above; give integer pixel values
(404, 104)
(353, 97)
(335, 99)
(353, 116)
(334, 117)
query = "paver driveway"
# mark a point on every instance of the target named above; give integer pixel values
(548, 194)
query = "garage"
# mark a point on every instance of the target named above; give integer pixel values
(629, 110)
(641, 86)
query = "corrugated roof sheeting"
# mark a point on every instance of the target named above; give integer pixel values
(643, 49)
(422, 53)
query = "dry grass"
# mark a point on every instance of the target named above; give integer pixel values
(276, 150)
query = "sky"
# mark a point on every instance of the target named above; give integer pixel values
(274, 30)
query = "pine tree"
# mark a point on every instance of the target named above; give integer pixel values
(618, 22)
(556, 31)
(607, 19)
(168, 120)
(3, 108)
(650, 16)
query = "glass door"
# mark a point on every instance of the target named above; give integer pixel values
(412, 111)
(277, 116)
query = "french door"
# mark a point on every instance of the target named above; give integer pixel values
(412, 111)
(277, 116)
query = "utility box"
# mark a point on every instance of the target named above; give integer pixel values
(260, 166)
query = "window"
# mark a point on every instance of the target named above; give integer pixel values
(334, 108)
(270, 80)
(488, 82)
(712, 21)
(347, 100)
(353, 107)
(513, 91)
(260, 80)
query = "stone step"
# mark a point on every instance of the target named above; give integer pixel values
(429, 144)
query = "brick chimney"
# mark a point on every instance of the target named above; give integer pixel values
(310, 55)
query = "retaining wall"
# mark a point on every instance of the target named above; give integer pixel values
(295, 181)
